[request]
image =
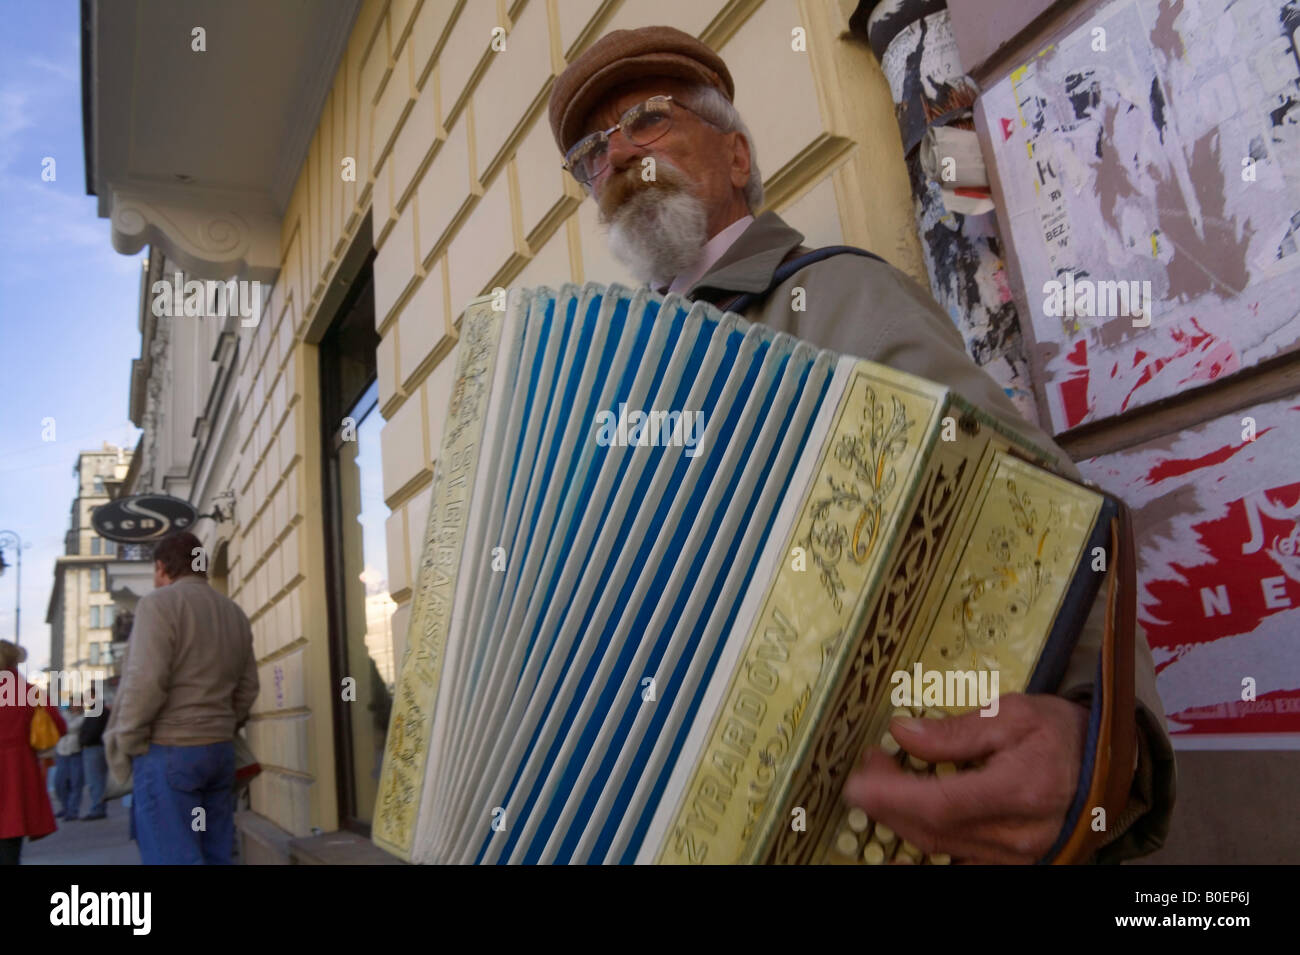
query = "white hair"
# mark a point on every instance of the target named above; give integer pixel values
(715, 109)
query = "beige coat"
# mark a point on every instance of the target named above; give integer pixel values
(862, 307)
(190, 676)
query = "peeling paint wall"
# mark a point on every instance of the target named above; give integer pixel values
(963, 252)
(1158, 143)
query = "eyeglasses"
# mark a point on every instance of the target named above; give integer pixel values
(642, 125)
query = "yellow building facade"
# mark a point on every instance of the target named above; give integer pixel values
(458, 172)
(432, 166)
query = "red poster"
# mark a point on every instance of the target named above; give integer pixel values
(1217, 519)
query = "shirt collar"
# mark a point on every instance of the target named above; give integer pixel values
(712, 251)
(752, 259)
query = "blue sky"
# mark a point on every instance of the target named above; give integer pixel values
(68, 304)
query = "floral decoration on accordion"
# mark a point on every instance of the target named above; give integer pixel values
(471, 383)
(868, 456)
(1015, 573)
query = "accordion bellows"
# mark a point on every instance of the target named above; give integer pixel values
(673, 560)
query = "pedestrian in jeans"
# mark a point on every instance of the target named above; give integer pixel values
(69, 777)
(91, 736)
(190, 680)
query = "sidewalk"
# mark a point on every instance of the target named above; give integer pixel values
(99, 842)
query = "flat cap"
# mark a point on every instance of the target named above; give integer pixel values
(625, 55)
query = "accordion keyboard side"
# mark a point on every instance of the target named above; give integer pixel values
(898, 493)
(994, 551)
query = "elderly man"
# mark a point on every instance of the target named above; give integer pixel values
(645, 121)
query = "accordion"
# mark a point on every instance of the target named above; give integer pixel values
(678, 568)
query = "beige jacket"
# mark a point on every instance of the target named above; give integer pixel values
(861, 307)
(190, 676)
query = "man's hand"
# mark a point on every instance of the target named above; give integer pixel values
(1008, 810)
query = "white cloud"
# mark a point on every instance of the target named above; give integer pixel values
(15, 116)
(47, 224)
(64, 71)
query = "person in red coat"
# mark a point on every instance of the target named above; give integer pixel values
(24, 802)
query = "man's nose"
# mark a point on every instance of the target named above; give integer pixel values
(622, 151)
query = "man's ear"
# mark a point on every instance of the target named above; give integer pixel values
(741, 163)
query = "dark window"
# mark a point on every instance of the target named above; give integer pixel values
(361, 642)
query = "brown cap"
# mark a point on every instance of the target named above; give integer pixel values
(624, 55)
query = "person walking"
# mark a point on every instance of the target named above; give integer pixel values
(189, 683)
(91, 737)
(69, 771)
(25, 809)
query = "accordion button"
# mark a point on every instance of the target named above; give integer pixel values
(939, 858)
(934, 714)
(883, 834)
(917, 763)
(911, 851)
(945, 769)
(901, 859)
(847, 844)
(874, 853)
(889, 744)
(858, 820)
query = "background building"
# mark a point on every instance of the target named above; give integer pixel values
(376, 165)
(96, 579)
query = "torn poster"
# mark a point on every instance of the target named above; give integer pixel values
(968, 278)
(1154, 150)
(926, 77)
(963, 250)
(1216, 515)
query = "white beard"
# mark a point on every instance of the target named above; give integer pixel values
(658, 234)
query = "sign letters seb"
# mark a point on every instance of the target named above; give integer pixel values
(142, 517)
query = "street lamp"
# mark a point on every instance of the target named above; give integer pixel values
(7, 538)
